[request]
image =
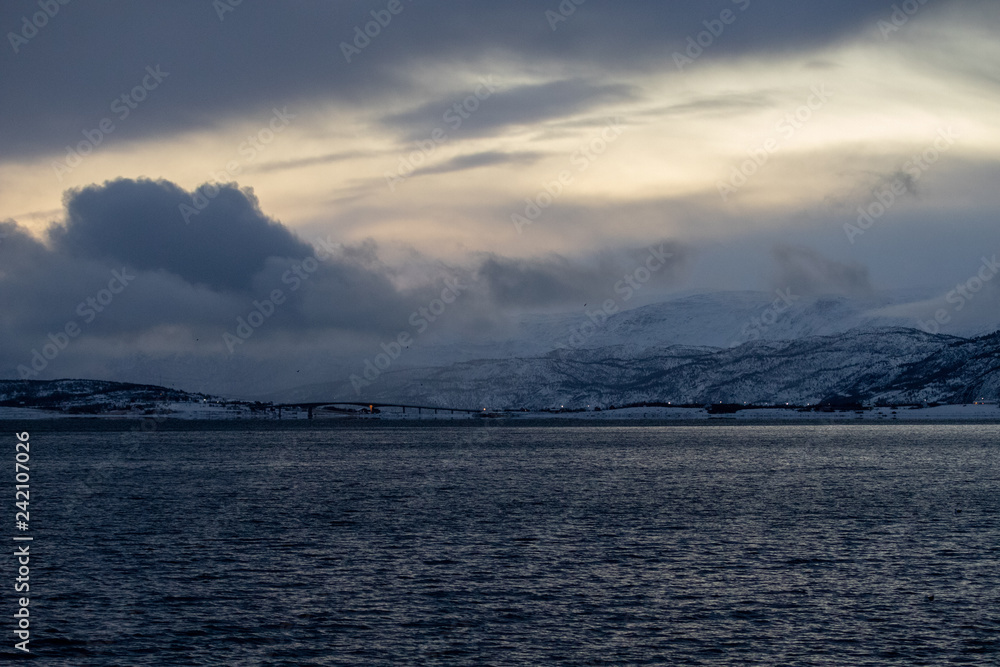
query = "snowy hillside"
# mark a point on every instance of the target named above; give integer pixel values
(730, 347)
(893, 365)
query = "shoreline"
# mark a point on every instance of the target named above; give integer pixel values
(106, 425)
(183, 417)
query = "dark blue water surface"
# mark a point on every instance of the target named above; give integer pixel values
(492, 545)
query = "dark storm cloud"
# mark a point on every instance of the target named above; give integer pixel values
(140, 223)
(808, 273)
(171, 290)
(29, 278)
(197, 275)
(476, 160)
(263, 54)
(521, 105)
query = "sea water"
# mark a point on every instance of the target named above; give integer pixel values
(495, 545)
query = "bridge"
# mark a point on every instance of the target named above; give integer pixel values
(331, 406)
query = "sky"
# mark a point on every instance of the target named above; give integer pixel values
(243, 196)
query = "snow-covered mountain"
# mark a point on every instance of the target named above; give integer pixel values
(864, 365)
(730, 347)
(893, 365)
(727, 346)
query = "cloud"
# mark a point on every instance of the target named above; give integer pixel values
(188, 285)
(476, 160)
(895, 180)
(718, 105)
(237, 64)
(521, 105)
(192, 280)
(140, 223)
(808, 273)
(305, 162)
(558, 281)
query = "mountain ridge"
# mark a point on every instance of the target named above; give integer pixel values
(867, 364)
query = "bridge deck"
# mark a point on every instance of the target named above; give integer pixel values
(372, 404)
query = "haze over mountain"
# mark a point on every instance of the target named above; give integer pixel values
(696, 349)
